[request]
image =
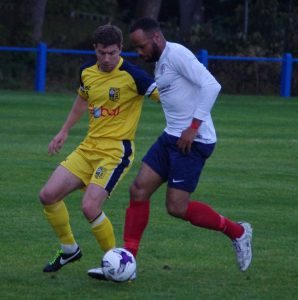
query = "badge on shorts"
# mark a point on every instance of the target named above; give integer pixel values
(100, 172)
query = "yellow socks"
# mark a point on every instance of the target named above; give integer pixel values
(102, 229)
(58, 217)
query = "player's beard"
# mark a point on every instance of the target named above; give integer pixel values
(155, 54)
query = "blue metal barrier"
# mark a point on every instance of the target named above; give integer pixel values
(41, 68)
(203, 57)
(286, 73)
(41, 63)
(286, 77)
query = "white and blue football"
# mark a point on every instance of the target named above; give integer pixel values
(119, 265)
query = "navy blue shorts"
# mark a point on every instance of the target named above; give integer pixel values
(181, 171)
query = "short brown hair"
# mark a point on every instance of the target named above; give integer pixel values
(108, 35)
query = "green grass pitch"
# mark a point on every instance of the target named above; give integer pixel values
(252, 176)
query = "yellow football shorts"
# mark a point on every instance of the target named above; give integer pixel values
(103, 162)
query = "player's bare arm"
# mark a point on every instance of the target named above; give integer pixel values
(78, 109)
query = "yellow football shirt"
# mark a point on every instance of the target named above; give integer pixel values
(115, 99)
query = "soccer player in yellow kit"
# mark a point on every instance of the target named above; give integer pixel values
(112, 90)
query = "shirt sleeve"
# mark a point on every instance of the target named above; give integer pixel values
(188, 66)
(83, 90)
(144, 82)
(153, 93)
(83, 93)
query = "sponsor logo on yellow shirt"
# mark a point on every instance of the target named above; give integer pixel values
(102, 111)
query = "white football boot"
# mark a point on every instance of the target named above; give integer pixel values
(243, 247)
(98, 274)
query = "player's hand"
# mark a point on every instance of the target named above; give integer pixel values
(57, 142)
(186, 139)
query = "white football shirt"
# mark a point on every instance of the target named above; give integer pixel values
(187, 90)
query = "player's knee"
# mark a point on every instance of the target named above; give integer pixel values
(136, 191)
(46, 197)
(87, 209)
(175, 210)
(90, 210)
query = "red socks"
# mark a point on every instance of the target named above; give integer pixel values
(198, 213)
(136, 220)
(201, 215)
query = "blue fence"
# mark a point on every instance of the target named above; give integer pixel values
(42, 50)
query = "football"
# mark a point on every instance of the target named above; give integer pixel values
(118, 265)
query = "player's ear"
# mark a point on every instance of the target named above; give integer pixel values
(94, 46)
(155, 36)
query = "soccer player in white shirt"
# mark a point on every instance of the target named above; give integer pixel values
(187, 93)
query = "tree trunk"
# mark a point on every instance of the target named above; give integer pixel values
(188, 10)
(148, 8)
(28, 22)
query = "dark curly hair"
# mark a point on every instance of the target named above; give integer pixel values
(146, 24)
